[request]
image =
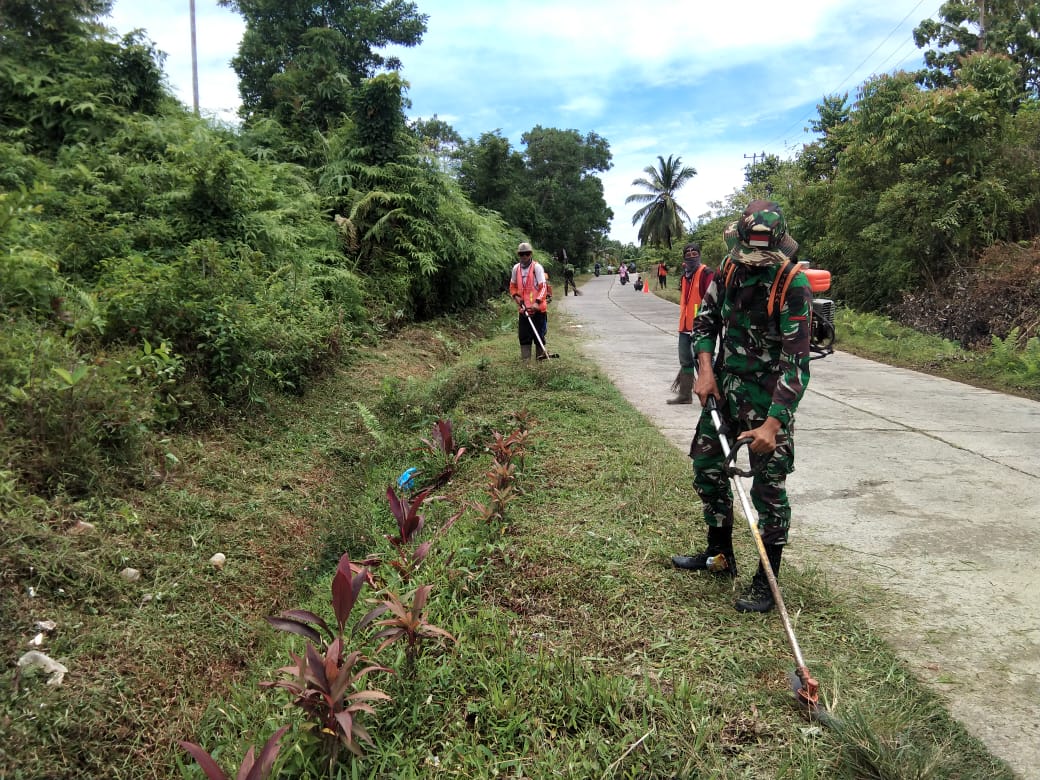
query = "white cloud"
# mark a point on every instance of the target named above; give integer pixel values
(218, 32)
(710, 82)
(590, 105)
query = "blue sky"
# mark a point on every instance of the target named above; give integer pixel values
(709, 82)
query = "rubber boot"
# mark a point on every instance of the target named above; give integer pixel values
(683, 385)
(525, 351)
(719, 552)
(759, 597)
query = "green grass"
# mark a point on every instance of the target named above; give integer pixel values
(669, 293)
(1006, 366)
(580, 652)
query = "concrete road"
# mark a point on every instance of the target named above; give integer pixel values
(922, 490)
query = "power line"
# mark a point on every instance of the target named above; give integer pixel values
(855, 70)
(890, 34)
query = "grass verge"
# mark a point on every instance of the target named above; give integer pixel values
(579, 651)
(1006, 366)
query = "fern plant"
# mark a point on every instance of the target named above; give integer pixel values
(371, 423)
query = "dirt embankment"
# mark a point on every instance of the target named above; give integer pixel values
(993, 296)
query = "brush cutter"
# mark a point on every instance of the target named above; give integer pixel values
(542, 352)
(805, 688)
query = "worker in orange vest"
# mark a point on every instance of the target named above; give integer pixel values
(529, 287)
(692, 285)
(662, 276)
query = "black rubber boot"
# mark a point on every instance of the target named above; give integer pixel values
(759, 597)
(683, 386)
(717, 558)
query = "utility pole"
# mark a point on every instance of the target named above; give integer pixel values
(754, 157)
(195, 60)
(982, 25)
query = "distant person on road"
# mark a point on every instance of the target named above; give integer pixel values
(622, 273)
(758, 379)
(596, 268)
(692, 285)
(662, 276)
(568, 273)
(568, 280)
(529, 288)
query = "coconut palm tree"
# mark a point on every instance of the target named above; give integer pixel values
(662, 217)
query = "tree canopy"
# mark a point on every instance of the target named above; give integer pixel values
(62, 79)
(304, 56)
(1009, 27)
(549, 191)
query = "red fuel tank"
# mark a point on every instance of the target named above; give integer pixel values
(819, 280)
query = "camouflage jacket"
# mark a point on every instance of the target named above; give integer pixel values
(763, 364)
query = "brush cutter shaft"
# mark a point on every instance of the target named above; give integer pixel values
(752, 519)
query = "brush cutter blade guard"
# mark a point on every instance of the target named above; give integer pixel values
(806, 689)
(807, 697)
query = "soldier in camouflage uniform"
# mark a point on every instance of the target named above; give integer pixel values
(758, 378)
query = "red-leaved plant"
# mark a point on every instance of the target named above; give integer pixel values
(408, 623)
(325, 680)
(506, 449)
(500, 493)
(251, 768)
(409, 525)
(442, 444)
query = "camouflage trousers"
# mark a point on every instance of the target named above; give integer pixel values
(768, 486)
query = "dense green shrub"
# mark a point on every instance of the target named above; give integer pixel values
(72, 422)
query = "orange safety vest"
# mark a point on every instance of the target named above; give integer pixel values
(525, 284)
(689, 299)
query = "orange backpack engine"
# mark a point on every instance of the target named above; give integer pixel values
(819, 280)
(822, 329)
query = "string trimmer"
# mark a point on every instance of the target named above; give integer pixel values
(542, 353)
(805, 688)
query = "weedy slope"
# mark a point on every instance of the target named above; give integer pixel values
(577, 651)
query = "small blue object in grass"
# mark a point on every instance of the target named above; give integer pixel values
(407, 480)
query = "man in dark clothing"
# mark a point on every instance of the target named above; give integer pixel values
(568, 273)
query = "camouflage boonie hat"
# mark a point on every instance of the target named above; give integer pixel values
(760, 236)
